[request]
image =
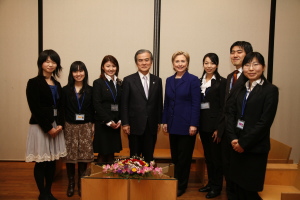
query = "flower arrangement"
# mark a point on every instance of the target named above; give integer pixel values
(134, 167)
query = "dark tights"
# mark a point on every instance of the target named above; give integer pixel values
(44, 174)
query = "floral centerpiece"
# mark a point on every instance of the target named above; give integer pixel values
(134, 167)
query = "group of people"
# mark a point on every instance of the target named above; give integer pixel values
(233, 117)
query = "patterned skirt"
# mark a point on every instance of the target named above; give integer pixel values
(79, 142)
(42, 147)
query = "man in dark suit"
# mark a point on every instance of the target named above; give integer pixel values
(235, 81)
(141, 107)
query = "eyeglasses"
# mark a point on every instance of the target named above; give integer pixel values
(253, 65)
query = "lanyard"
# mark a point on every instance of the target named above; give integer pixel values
(78, 103)
(114, 97)
(244, 103)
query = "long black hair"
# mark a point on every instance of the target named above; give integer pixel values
(78, 66)
(215, 59)
(114, 61)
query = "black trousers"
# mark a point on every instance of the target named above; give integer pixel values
(182, 147)
(240, 193)
(226, 149)
(213, 159)
(143, 145)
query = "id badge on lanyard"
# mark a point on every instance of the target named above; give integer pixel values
(241, 123)
(114, 107)
(54, 112)
(205, 105)
(79, 117)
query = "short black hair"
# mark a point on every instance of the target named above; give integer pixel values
(53, 56)
(250, 56)
(243, 44)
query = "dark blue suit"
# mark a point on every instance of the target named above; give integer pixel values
(182, 110)
(182, 104)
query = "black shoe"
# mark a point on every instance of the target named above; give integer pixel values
(180, 192)
(51, 197)
(212, 194)
(71, 186)
(205, 189)
(43, 197)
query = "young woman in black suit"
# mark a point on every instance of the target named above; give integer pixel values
(249, 123)
(212, 101)
(45, 141)
(79, 127)
(106, 99)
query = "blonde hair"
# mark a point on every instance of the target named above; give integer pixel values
(185, 54)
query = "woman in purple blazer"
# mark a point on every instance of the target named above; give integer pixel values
(181, 116)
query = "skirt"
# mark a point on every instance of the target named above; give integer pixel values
(79, 142)
(42, 147)
(107, 140)
(248, 170)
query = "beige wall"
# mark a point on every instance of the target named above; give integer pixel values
(211, 26)
(89, 30)
(286, 75)
(18, 55)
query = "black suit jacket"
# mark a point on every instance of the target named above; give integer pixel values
(41, 104)
(136, 109)
(230, 96)
(102, 100)
(259, 114)
(210, 119)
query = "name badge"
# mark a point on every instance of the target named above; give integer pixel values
(240, 124)
(114, 107)
(205, 105)
(54, 112)
(79, 117)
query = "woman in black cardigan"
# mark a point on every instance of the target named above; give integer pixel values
(106, 99)
(45, 141)
(212, 102)
(79, 127)
(249, 123)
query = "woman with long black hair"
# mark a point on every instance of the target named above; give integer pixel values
(107, 96)
(79, 127)
(212, 101)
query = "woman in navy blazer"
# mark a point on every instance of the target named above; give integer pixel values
(212, 102)
(249, 122)
(107, 92)
(181, 116)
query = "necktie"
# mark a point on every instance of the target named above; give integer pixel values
(145, 86)
(112, 86)
(234, 78)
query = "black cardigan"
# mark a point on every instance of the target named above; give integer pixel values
(41, 104)
(71, 105)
